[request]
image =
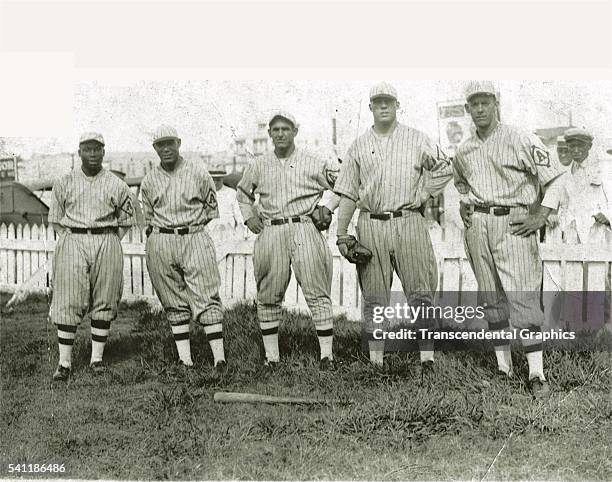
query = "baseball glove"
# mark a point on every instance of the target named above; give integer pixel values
(356, 253)
(321, 217)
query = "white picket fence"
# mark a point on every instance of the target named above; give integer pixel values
(26, 252)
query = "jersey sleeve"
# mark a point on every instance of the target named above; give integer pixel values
(126, 206)
(460, 181)
(57, 210)
(347, 183)
(245, 191)
(147, 203)
(537, 160)
(209, 194)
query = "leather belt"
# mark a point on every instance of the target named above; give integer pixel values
(107, 230)
(494, 210)
(392, 214)
(280, 221)
(180, 231)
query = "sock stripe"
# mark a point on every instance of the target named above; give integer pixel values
(101, 324)
(99, 331)
(180, 329)
(329, 332)
(65, 341)
(214, 336)
(533, 348)
(67, 328)
(98, 338)
(498, 343)
(181, 336)
(270, 331)
(499, 325)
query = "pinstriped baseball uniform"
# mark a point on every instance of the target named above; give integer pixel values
(88, 268)
(383, 174)
(289, 189)
(506, 169)
(183, 268)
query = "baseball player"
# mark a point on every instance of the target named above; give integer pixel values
(383, 175)
(499, 171)
(91, 209)
(290, 183)
(179, 199)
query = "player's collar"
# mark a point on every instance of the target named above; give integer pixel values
(90, 178)
(388, 134)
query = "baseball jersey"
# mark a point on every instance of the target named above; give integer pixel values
(292, 188)
(81, 201)
(384, 173)
(183, 197)
(505, 169)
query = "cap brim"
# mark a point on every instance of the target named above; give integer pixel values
(91, 140)
(379, 96)
(165, 139)
(279, 116)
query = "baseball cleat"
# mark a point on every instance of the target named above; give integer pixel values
(271, 365)
(97, 367)
(326, 364)
(539, 389)
(502, 375)
(427, 371)
(62, 374)
(220, 367)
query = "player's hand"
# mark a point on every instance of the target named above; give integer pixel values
(528, 225)
(552, 221)
(601, 218)
(255, 224)
(466, 211)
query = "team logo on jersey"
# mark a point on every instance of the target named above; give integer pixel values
(211, 200)
(331, 175)
(126, 208)
(540, 156)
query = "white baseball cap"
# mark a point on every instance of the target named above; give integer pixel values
(284, 115)
(480, 87)
(91, 136)
(383, 89)
(576, 133)
(164, 132)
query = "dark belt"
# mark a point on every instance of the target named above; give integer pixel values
(94, 230)
(181, 231)
(394, 214)
(494, 210)
(278, 222)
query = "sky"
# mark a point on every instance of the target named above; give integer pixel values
(210, 114)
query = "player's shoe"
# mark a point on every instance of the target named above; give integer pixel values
(539, 389)
(62, 374)
(221, 367)
(503, 376)
(327, 364)
(270, 366)
(97, 367)
(427, 372)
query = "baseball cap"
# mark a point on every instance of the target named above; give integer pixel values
(91, 136)
(561, 141)
(284, 115)
(164, 132)
(383, 89)
(217, 172)
(479, 87)
(576, 133)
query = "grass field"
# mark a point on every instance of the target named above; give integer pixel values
(148, 419)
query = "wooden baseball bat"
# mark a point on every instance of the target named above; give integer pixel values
(237, 397)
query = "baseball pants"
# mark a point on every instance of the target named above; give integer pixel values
(508, 270)
(185, 275)
(299, 246)
(87, 278)
(401, 244)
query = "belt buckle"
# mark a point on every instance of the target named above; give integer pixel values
(501, 211)
(182, 231)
